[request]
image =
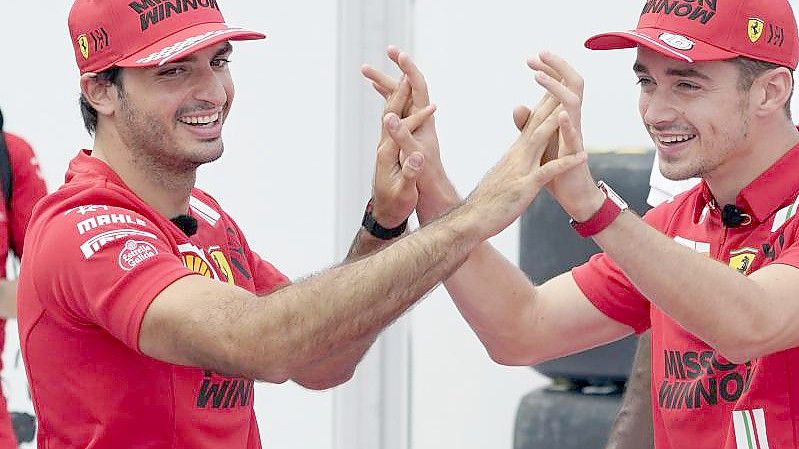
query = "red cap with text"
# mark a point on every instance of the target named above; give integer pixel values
(712, 30)
(146, 33)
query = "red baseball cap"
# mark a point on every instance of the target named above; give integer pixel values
(146, 33)
(712, 30)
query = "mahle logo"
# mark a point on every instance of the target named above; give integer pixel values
(755, 28)
(83, 45)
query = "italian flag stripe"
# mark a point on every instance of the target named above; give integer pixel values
(785, 214)
(760, 421)
(750, 429)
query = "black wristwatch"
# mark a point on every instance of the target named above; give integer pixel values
(373, 227)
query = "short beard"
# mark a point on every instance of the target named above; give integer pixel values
(732, 144)
(152, 149)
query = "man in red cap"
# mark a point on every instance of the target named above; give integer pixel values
(144, 315)
(714, 272)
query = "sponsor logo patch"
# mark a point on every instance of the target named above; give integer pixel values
(90, 209)
(776, 35)
(677, 41)
(742, 259)
(99, 39)
(134, 253)
(701, 379)
(194, 259)
(701, 11)
(153, 12)
(221, 262)
(83, 45)
(108, 219)
(221, 392)
(96, 243)
(755, 29)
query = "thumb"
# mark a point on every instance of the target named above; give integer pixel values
(520, 116)
(412, 166)
(553, 169)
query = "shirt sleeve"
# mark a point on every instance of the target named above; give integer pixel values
(609, 290)
(28, 187)
(104, 266)
(266, 277)
(790, 252)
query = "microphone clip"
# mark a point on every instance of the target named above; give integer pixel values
(732, 217)
(186, 223)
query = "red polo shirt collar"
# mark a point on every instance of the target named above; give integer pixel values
(770, 191)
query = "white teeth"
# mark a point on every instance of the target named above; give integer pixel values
(204, 120)
(676, 139)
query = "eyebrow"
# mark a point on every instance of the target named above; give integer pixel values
(684, 73)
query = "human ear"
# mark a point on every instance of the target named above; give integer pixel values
(773, 89)
(100, 93)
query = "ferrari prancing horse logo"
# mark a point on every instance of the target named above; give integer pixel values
(83, 45)
(755, 29)
(742, 259)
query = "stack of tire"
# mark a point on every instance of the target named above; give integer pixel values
(577, 409)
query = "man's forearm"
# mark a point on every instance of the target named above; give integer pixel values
(327, 313)
(708, 295)
(340, 366)
(633, 426)
(365, 244)
(336, 369)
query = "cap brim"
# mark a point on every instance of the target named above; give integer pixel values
(186, 42)
(684, 48)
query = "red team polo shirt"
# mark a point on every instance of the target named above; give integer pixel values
(28, 187)
(700, 400)
(96, 257)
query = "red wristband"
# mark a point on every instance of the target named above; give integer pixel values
(610, 209)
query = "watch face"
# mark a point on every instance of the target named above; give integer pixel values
(613, 196)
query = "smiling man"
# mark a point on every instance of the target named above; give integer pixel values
(144, 315)
(713, 273)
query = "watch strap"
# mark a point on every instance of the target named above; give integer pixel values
(375, 229)
(607, 213)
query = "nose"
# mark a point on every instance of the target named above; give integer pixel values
(211, 87)
(658, 108)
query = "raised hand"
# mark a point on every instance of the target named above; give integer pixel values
(397, 167)
(436, 192)
(510, 186)
(576, 190)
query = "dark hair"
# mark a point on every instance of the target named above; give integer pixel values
(749, 69)
(88, 112)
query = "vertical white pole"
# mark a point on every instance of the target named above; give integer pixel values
(370, 411)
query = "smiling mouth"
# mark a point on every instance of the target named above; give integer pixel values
(674, 140)
(203, 121)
